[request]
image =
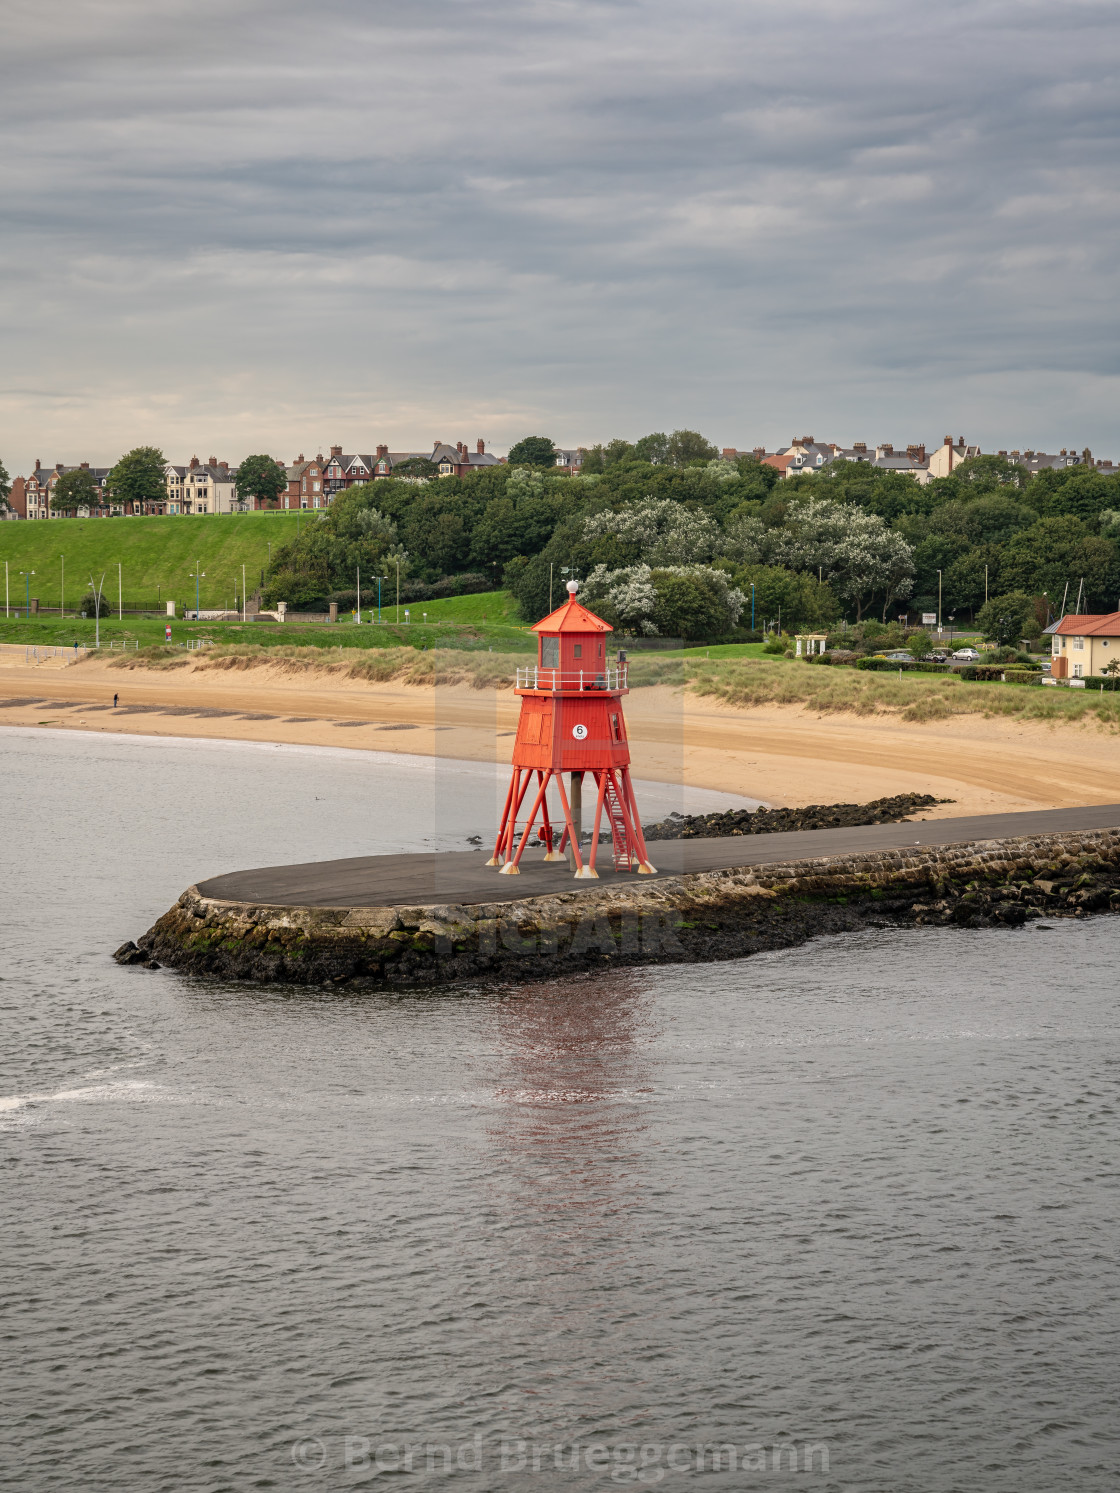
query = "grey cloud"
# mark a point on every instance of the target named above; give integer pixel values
(271, 224)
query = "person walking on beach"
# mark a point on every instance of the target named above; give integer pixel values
(115, 698)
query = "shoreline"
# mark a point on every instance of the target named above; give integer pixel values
(711, 906)
(782, 755)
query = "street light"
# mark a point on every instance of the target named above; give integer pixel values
(27, 574)
(196, 574)
(97, 610)
(939, 628)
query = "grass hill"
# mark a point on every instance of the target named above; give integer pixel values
(157, 555)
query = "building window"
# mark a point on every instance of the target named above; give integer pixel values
(315, 488)
(1077, 670)
(1079, 643)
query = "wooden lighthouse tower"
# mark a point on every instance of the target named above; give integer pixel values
(571, 722)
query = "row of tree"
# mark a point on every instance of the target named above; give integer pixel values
(669, 537)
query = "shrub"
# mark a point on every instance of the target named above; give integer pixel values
(998, 672)
(1101, 682)
(88, 607)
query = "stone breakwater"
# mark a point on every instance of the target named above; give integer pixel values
(722, 914)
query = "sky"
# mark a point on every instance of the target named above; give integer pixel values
(229, 226)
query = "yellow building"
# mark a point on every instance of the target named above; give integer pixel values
(1085, 645)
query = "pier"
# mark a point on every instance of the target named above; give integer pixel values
(445, 918)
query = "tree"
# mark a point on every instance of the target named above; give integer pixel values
(139, 477)
(686, 601)
(1006, 619)
(262, 478)
(533, 451)
(88, 606)
(658, 531)
(854, 551)
(5, 487)
(73, 490)
(687, 446)
(416, 466)
(989, 472)
(653, 448)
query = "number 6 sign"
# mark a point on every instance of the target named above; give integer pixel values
(579, 732)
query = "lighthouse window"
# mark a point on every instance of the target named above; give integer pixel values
(579, 650)
(550, 653)
(616, 731)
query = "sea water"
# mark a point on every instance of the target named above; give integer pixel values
(841, 1217)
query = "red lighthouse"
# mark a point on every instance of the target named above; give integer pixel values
(572, 722)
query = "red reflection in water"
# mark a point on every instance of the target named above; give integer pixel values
(572, 1077)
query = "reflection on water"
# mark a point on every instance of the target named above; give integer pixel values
(859, 1193)
(573, 1071)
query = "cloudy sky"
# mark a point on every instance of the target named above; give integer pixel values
(231, 226)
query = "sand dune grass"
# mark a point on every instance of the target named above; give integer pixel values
(741, 682)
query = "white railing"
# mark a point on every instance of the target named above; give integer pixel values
(611, 676)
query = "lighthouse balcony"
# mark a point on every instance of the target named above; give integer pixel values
(610, 678)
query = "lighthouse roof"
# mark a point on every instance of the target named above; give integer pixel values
(571, 617)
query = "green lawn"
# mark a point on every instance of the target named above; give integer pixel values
(156, 555)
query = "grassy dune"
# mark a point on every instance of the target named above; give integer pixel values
(156, 555)
(741, 682)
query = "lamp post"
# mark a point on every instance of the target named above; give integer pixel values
(752, 606)
(97, 609)
(379, 579)
(939, 604)
(27, 574)
(359, 608)
(62, 589)
(5, 588)
(120, 594)
(196, 573)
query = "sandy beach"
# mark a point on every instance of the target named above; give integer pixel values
(780, 754)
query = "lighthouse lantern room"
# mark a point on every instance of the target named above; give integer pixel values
(571, 723)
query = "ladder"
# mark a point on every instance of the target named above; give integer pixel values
(624, 857)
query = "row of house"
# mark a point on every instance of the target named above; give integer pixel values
(805, 454)
(313, 482)
(211, 486)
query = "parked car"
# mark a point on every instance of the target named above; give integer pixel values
(899, 656)
(938, 657)
(965, 656)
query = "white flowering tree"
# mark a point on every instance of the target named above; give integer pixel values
(669, 600)
(854, 551)
(663, 532)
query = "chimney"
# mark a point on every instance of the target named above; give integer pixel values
(223, 466)
(480, 447)
(948, 440)
(382, 451)
(886, 448)
(319, 457)
(759, 451)
(211, 461)
(960, 441)
(84, 466)
(916, 453)
(194, 462)
(336, 450)
(38, 464)
(1001, 453)
(860, 446)
(1062, 452)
